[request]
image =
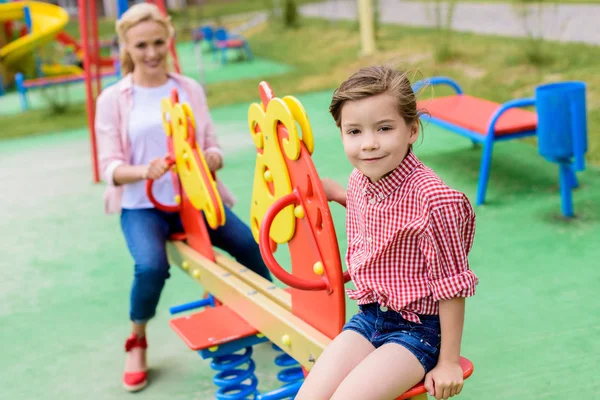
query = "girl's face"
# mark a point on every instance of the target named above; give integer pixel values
(147, 44)
(375, 136)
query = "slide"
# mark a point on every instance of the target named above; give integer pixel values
(47, 21)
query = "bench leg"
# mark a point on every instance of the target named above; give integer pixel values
(566, 177)
(484, 171)
(573, 177)
(248, 52)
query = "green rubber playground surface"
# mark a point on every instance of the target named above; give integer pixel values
(531, 330)
(199, 64)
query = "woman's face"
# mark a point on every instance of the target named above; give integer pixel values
(147, 44)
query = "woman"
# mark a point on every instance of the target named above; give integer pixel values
(132, 148)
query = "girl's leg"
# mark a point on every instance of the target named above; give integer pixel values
(235, 237)
(385, 374)
(146, 232)
(344, 353)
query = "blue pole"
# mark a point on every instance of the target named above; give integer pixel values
(20, 82)
(27, 16)
(565, 177)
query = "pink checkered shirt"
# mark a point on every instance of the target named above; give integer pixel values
(408, 239)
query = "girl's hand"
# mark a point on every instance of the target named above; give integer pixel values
(213, 160)
(157, 168)
(334, 191)
(445, 380)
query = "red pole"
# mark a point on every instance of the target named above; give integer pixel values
(89, 104)
(95, 49)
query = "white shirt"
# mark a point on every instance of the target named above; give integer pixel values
(148, 141)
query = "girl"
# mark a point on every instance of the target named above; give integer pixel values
(132, 147)
(408, 239)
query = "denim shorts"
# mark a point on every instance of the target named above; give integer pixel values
(380, 327)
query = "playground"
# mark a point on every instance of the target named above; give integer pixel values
(531, 331)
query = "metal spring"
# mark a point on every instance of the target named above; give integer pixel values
(291, 374)
(231, 380)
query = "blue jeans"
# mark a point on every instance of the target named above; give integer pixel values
(146, 232)
(380, 327)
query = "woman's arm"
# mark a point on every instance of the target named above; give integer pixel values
(205, 130)
(125, 173)
(110, 149)
(113, 163)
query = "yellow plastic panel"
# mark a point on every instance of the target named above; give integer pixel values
(271, 167)
(299, 114)
(191, 166)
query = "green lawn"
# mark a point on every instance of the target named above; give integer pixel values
(322, 54)
(531, 330)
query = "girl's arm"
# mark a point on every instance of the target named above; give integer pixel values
(446, 379)
(446, 245)
(452, 318)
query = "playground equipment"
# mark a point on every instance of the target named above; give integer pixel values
(43, 23)
(221, 41)
(559, 123)
(288, 206)
(90, 47)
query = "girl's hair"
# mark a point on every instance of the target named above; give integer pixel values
(375, 80)
(137, 13)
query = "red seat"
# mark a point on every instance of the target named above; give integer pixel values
(211, 327)
(230, 43)
(475, 114)
(418, 389)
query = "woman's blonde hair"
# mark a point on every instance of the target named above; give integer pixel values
(375, 80)
(137, 13)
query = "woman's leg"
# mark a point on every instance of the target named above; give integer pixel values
(344, 353)
(146, 232)
(235, 237)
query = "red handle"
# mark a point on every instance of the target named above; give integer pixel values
(267, 254)
(153, 200)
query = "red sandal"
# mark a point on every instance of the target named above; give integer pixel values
(134, 381)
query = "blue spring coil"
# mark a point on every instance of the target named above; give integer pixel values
(235, 383)
(291, 370)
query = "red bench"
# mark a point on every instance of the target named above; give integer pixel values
(480, 120)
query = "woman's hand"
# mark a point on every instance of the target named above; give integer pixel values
(213, 160)
(156, 168)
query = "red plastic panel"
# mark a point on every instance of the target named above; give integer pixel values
(211, 327)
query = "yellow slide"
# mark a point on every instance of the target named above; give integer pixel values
(47, 21)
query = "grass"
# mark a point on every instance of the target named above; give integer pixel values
(531, 1)
(323, 54)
